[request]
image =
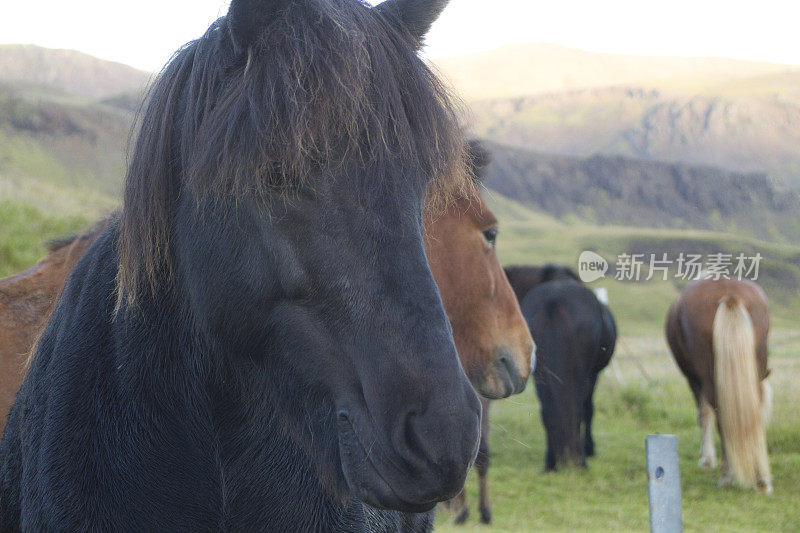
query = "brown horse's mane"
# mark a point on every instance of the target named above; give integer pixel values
(329, 84)
(58, 243)
(478, 158)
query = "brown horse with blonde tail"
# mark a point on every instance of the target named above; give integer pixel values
(717, 331)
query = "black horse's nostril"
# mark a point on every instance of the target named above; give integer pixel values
(412, 439)
(428, 446)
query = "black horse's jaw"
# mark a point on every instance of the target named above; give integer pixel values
(364, 479)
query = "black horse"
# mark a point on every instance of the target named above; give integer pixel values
(575, 336)
(277, 357)
(525, 277)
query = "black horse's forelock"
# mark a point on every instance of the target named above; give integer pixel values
(329, 83)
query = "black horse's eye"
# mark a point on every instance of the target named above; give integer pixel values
(491, 235)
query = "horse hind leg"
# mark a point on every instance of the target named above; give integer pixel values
(708, 454)
(764, 479)
(766, 405)
(459, 507)
(482, 465)
(588, 440)
(764, 476)
(726, 477)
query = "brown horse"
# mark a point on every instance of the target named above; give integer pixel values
(27, 300)
(717, 331)
(492, 339)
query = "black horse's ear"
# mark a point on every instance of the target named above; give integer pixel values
(416, 15)
(248, 18)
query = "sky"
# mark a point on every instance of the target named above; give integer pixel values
(146, 32)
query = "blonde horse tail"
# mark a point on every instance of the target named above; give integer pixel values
(739, 396)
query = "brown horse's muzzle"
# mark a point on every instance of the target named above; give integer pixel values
(508, 373)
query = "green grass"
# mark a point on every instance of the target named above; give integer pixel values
(642, 393)
(24, 230)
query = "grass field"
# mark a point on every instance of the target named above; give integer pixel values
(641, 393)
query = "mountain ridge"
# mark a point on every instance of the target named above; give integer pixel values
(615, 190)
(69, 70)
(737, 133)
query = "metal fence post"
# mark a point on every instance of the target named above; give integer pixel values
(664, 484)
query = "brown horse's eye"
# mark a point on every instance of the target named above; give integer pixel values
(491, 236)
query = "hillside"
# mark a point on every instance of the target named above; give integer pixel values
(623, 191)
(68, 71)
(62, 160)
(742, 116)
(66, 156)
(529, 236)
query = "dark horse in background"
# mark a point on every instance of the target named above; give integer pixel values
(259, 344)
(575, 335)
(717, 331)
(523, 279)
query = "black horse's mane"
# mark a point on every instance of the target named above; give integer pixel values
(328, 83)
